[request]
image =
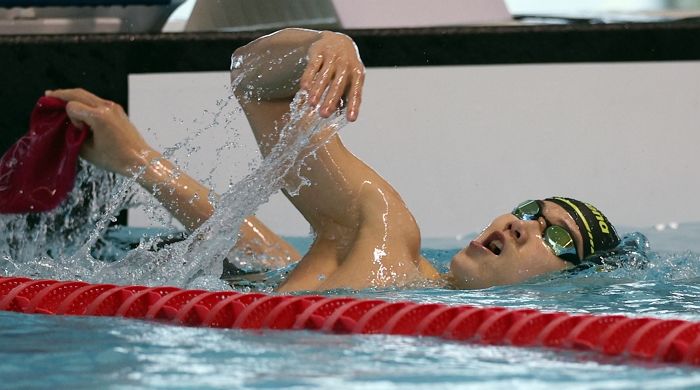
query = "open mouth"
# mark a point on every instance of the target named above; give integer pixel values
(494, 243)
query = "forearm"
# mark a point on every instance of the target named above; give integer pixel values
(188, 201)
(255, 238)
(116, 145)
(270, 67)
(184, 197)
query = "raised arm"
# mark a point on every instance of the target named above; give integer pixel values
(365, 235)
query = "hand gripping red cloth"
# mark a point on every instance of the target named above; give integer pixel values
(38, 171)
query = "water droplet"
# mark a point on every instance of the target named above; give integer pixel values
(236, 62)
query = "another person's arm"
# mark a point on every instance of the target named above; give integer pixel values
(116, 145)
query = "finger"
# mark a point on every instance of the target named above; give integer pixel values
(333, 96)
(354, 97)
(76, 94)
(320, 83)
(312, 68)
(81, 114)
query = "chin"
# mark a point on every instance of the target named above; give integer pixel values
(459, 272)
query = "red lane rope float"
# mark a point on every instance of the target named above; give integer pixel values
(661, 340)
(77, 302)
(48, 299)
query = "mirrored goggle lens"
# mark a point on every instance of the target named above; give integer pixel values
(527, 210)
(560, 241)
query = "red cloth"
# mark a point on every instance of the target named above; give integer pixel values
(38, 171)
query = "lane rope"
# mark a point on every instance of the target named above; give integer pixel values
(643, 338)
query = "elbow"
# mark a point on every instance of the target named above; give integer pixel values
(269, 67)
(237, 74)
(287, 38)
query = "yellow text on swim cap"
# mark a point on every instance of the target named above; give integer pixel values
(601, 220)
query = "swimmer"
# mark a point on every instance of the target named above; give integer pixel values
(365, 236)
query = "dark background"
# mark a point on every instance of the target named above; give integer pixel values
(101, 63)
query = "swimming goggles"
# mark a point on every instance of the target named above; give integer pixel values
(554, 236)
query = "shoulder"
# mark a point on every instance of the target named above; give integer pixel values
(384, 213)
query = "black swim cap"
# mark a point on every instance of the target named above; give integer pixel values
(599, 235)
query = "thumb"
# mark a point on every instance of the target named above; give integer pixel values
(81, 114)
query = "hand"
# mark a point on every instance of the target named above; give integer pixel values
(334, 65)
(115, 144)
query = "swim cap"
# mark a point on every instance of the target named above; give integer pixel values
(38, 171)
(599, 235)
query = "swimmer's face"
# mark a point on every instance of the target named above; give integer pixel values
(511, 250)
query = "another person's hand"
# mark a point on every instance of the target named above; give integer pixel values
(334, 64)
(115, 144)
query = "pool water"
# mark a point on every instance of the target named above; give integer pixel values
(72, 352)
(39, 351)
(82, 352)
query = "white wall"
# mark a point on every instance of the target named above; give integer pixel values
(571, 7)
(178, 19)
(463, 144)
(364, 14)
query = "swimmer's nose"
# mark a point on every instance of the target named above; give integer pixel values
(518, 229)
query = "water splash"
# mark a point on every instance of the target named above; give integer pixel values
(30, 244)
(200, 257)
(65, 243)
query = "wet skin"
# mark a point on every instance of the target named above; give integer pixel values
(365, 235)
(511, 250)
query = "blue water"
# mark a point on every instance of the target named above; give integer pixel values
(39, 351)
